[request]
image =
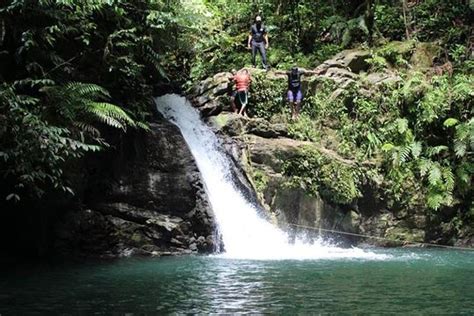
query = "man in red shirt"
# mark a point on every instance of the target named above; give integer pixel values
(242, 81)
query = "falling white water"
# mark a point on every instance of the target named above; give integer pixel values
(245, 234)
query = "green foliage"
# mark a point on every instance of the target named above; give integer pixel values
(303, 128)
(377, 63)
(33, 150)
(418, 132)
(260, 180)
(266, 96)
(389, 20)
(80, 104)
(318, 174)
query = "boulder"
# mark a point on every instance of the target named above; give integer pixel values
(218, 80)
(351, 222)
(377, 78)
(354, 60)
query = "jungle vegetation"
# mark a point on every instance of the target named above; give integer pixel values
(72, 71)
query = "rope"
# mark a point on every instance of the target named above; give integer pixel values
(381, 238)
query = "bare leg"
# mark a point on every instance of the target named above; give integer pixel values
(297, 109)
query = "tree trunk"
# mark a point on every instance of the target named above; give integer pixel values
(405, 19)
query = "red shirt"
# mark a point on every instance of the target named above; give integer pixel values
(242, 81)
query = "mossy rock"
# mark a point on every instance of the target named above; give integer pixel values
(424, 55)
(401, 48)
(405, 235)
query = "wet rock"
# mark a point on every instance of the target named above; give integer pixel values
(350, 222)
(230, 123)
(153, 200)
(404, 235)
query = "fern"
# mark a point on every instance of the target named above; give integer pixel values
(448, 178)
(450, 122)
(404, 153)
(87, 128)
(402, 125)
(424, 165)
(436, 150)
(435, 200)
(460, 148)
(416, 149)
(110, 114)
(434, 174)
(104, 118)
(87, 90)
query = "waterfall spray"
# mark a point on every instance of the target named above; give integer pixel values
(244, 233)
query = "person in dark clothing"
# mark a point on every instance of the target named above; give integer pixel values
(258, 41)
(295, 94)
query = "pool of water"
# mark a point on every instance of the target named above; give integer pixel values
(398, 281)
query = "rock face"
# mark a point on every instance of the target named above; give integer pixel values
(262, 150)
(149, 200)
(262, 147)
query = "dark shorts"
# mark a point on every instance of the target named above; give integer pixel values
(241, 97)
(295, 96)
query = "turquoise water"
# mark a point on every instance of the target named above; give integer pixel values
(406, 281)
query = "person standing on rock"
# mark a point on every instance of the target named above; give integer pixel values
(258, 40)
(242, 81)
(295, 93)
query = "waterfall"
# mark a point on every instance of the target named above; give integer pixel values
(244, 233)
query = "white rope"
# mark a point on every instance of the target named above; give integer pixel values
(405, 242)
